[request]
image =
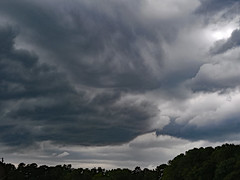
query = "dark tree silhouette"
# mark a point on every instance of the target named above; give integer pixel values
(220, 163)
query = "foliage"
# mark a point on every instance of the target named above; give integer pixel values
(66, 172)
(220, 163)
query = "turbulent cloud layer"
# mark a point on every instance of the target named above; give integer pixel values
(39, 103)
(102, 76)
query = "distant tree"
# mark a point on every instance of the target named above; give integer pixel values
(220, 163)
(2, 171)
(21, 166)
(160, 169)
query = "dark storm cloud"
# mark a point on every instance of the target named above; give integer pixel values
(82, 73)
(219, 132)
(225, 45)
(214, 6)
(99, 46)
(38, 103)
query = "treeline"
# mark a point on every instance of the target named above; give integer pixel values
(220, 163)
(66, 172)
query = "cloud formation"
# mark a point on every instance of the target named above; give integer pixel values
(216, 6)
(101, 43)
(39, 103)
(222, 46)
(102, 76)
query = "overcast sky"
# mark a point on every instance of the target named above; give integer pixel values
(117, 83)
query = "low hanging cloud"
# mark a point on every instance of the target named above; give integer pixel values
(211, 78)
(39, 103)
(64, 154)
(90, 46)
(208, 116)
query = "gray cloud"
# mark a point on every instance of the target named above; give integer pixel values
(108, 44)
(210, 77)
(104, 46)
(39, 103)
(217, 133)
(214, 6)
(212, 116)
(221, 73)
(93, 73)
(222, 46)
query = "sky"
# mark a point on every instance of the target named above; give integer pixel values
(117, 83)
